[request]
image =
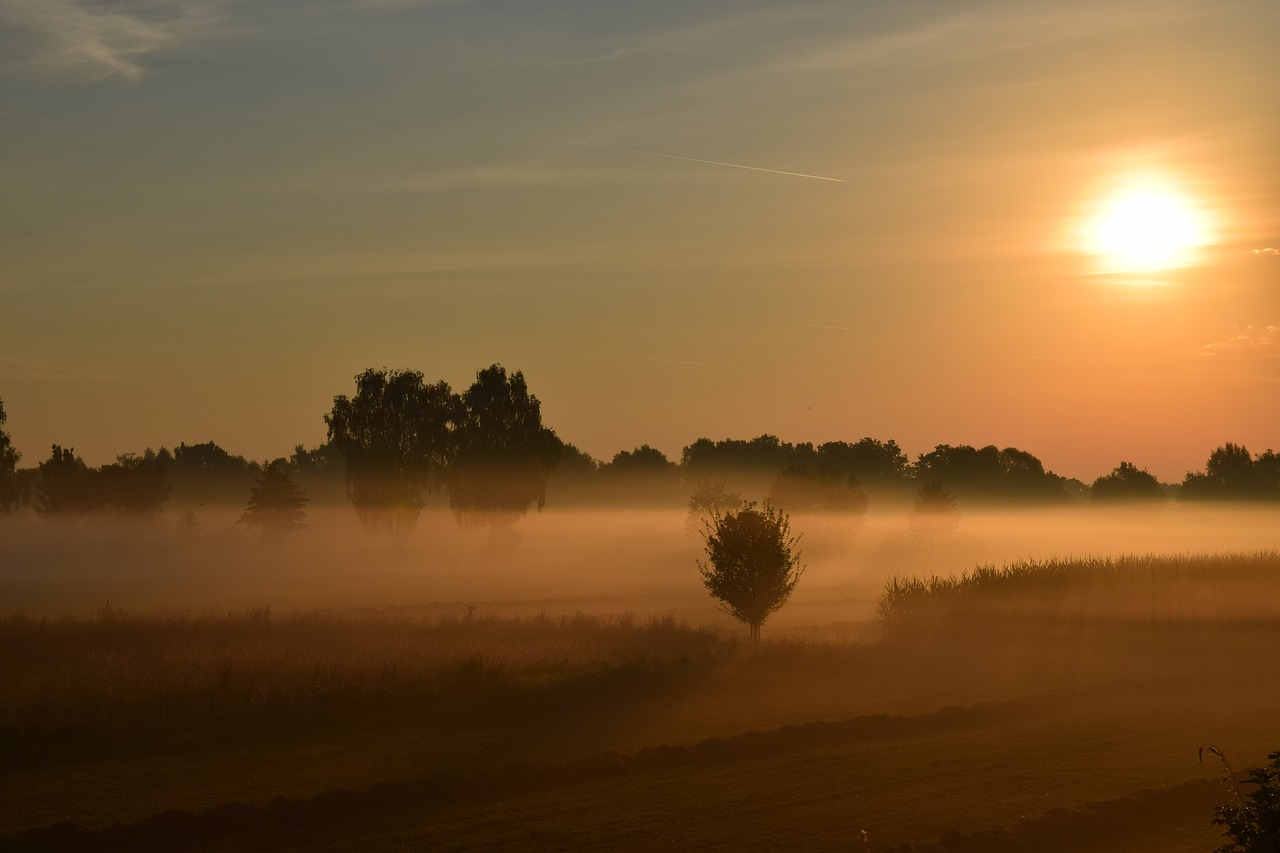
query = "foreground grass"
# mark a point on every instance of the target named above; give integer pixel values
(178, 673)
(118, 717)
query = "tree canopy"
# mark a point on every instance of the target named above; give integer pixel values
(1232, 473)
(275, 502)
(66, 486)
(990, 473)
(503, 454)
(394, 435)
(753, 562)
(1127, 482)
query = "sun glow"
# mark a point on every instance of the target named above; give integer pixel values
(1145, 227)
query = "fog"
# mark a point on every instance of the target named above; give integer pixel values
(561, 561)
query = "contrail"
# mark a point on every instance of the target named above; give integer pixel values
(707, 162)
(38, 118)
(640, 358)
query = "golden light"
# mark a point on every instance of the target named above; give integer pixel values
(1146, 227)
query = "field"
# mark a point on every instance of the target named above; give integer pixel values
(579, 692)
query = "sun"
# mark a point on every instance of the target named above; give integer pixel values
(1145, 227)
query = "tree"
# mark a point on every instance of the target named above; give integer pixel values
(934, 513)
(136, 485)
(873, 462)
(394, 435)
(753, 563)
(67, 486)
(206, 473)
(823, 490)
(9, 491)
(1233, 474)
(503, 454)
(275, 502)
(989, 472)
(644, 461)
(1126, 483)
(709, 499)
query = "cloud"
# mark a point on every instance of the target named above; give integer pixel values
(1250, 339)
(92, 40)
(1267, 252)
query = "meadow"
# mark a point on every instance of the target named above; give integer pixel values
(344, 693)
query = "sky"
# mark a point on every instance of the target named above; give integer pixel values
(215, 213)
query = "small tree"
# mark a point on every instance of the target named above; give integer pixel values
(752, 563)
(822, 490)
(935, 512)
(275, 502)
(709, 498)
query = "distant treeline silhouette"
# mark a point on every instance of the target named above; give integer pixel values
(398, 439)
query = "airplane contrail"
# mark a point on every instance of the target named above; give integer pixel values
(625, 357)
(707, 162)
(37, 118)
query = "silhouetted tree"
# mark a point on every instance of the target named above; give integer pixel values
(575, 463)
(320, 460)
(503, 454)
(394, 435)
(66, 488)
(765, 454)
(1126, 483)
(934, 513)
(208, 458)
(136, 485)
(1233, 474)
(275, 502)
(206, 472)
(9, 490)
(709, 499)
(753, 563)
(643, 461)
(1008, 474)
(870, 461)
(801, 489)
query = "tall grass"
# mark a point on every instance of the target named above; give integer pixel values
(176, 671)
(905, 600)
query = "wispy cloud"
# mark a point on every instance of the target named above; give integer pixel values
(90, 40)
(1267, 252)
(1266, 338)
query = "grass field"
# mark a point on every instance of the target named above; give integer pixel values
(1008, 696)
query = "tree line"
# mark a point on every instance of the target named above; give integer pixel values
(399, 439)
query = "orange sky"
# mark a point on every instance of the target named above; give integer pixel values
(216, 214)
